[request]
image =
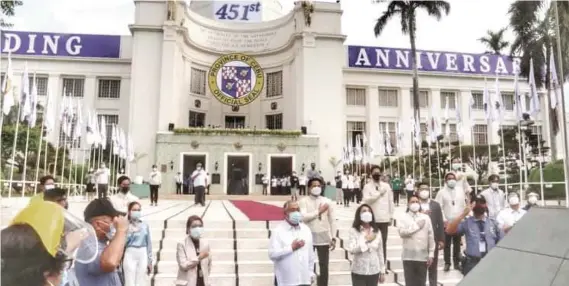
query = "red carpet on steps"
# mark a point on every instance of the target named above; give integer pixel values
(256, 211)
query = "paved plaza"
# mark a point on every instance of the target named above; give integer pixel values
(239, 246)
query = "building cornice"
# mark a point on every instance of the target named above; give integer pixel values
(70, 59)
(426, 73)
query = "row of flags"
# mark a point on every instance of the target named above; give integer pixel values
(75, 121)
(494, 112)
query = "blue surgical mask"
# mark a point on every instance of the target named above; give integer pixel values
(135, 215)
(111, 232)
(196, 232)
(295, 217)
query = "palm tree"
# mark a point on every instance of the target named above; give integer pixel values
(407, 10)
(8, 8)
(494, 41)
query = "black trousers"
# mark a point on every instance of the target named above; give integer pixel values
(357, 195)
(396, 195)
(365, 280)
(302, 190)
(415, 273)
(178, 188)
(154, 193)
(455, 241)
(186, 189)
(199, 197)
(383, 229)
(433, 268)
(323, 252)
(347, 196)
(103, 190)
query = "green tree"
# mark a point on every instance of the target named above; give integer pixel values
(8, 8)
(552, 172)
(494, 41)
(407, 10)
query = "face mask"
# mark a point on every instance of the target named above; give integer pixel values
(451, 184)
(196, 232)
(424, 194)
(366, 217)
(111, 232)
(49, 187)
(479, 210)
(295, 217)
(514, 201)
(125, 190)
(316, 191)
(414, 207)
(135, 215)
(532, 200)
(376, 177)
(494, 186)
(456, 166)
(154, 169)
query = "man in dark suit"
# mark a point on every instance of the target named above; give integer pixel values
(433, 209)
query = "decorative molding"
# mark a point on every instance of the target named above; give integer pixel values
(244, 132)
(195, 144)
(238, 145)
(281, 146)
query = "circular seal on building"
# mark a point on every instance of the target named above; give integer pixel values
(236, 79)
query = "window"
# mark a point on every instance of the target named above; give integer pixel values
(110, 120)
(423, 99)
(274, 121)
(197, 119)
(73, 87)
(68, 135)
(508, 101)
(197, 83)
(480, 133)
(388, 98)
(109, 88)
(234, 122)
(355, 128)
(453, 134)
(478, 98)
(356, 96)
(451, 97)
(392, 128)
(274, 84)
(41, 84)
(537, 130)
(423, 127)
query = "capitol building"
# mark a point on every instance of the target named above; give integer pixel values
(253, 87)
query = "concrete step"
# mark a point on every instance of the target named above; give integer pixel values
(242, 233)
(247, 266)
(242, 254)
(452, 276)
(267, 279)
(397, 263)
(217, 279)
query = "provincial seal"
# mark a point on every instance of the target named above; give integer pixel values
(236, 79)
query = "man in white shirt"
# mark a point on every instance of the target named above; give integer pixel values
(379, 196)
(103, 175)
(302, 184)
(319, 217)
(124, 197)
(291, 249)
(265, 181)
(155, 181)
(346, 188)
(409, 186)
(199, 177)
(453, 199)
(508, 217)
(461, 176)
(179, 181)
(495, 198)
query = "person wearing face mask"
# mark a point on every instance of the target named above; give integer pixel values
(368, 263)
(319, 217)
(137, 262)
(155, 181)
(533, 198)
(379, 196)
(346, 188)
(339, 190)
(124, 197)
(461, 177)
(58, 196)
(409, 186)
(481, 232)
(102, 174)
(47, 182)
(294, 186)
(433, 210)
(416, 231)
(312, 172)
(199, 177)
(193, 255)
(495, 197)
(510, 216)
(91, 180)
(111, 228)
(453, 199)
(291, 249)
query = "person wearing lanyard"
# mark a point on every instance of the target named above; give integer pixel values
(481, 232)
(495, 197)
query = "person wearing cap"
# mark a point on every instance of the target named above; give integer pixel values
(481, 232)
(35, 247)
(510, 216)
(111, 229)
(124, 197)
(532, 201)
(495, 197)
(319, 217)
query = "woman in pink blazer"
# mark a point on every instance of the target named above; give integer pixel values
(194, 259)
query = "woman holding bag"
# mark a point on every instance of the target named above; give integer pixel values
(194, 259)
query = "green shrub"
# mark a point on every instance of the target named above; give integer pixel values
(552, 172)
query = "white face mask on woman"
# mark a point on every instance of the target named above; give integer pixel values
(414, 207)
(366, 217)
(316, 191)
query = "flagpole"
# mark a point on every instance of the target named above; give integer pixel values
(38, 159)
(563, 110)
(82, 177)
(540, 167)
(525, 165)
(26, 158)
(504, 159)
(430, 169)
(521, 150)
(15, 142)
(475, 163)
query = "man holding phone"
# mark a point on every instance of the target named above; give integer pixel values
(291, 249)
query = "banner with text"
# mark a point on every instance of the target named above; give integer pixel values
(64, 45)
(399, 59)
(238, 11)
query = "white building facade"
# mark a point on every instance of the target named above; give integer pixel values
(159, 78)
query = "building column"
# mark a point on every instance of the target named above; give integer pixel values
(54, 90)
(372, 112)
(406, 111)
(467, 121)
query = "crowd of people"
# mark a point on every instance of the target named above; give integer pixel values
(39, 249)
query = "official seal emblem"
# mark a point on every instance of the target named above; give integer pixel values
(236, 79)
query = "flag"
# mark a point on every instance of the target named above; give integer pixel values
(77, 132)
(25, 99)
(447, 117)
(7, 87)
(130, 152)
(460, 130)
(400, 136)
(520, 102)
(90, 137)
(115, 140)
(554, 95)
(416, 128)
(381, 143)
(497, 101)
(103, 133)
(388, 146)
(534, 108)
(358, 149)
(488, 103)
(123, 145)
(50, 114)
(34, 101)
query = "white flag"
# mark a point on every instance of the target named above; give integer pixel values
(497, 101)
(34, 101)
(130, 152)
(90, 136)
(123, 144)
(50, 115)
(488, 103)
(25, 99)
(554, 95)
(7, 87)
(534, 98)
(78, 130)
(103, 133)
(520, 102)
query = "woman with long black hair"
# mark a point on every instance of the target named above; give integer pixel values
(365, 244)
(137, 262)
